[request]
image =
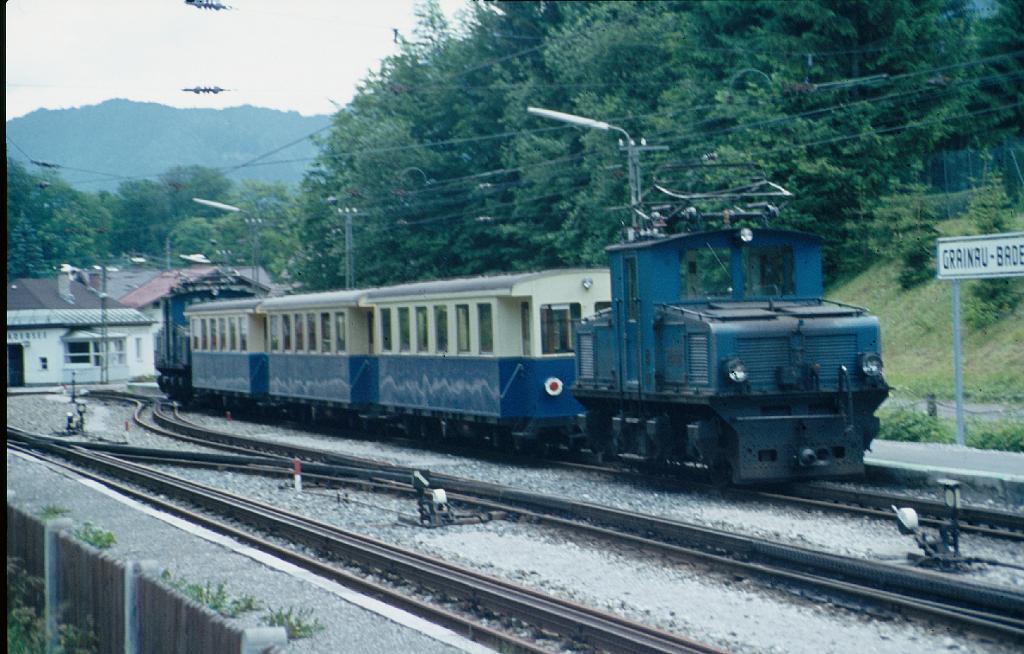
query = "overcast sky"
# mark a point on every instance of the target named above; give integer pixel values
(288, 54)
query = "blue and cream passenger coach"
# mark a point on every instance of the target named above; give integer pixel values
(494, 353)
(719, 348)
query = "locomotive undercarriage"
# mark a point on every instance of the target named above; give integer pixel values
(741, 439)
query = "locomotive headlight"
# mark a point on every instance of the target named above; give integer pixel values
(871, 364)
(736, 371)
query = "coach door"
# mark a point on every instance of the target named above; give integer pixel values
(631, 324)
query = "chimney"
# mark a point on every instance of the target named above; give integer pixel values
(64, 287)
(95, 279)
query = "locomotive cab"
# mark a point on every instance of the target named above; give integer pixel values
(720, 349)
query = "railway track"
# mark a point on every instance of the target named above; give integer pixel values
(906, 590)
(584, 625)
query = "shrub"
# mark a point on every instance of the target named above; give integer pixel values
(296, 623)
(913, 426)
(98, 537)
(996, 435)
(210, 596)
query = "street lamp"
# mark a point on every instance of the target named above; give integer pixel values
(253, 223)
(632, 152)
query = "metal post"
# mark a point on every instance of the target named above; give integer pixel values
(958, 382)
(349, 254)
(105, 346)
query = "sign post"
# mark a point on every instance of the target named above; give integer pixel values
(974, 257)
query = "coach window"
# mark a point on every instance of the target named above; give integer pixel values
(243, 333)
(286, 331)
(275, 333)
(385, 330)
(556, 323)
(422, 331)
(485, 320)
(339, 332)
(311, 342)
(232, 334)
(525, 321)
(404, 338)
(202, 334)
(214, 343)
(769, 270)
(441, 327)
(705, 273)
(222, 333)
(194, 327)
(325, 333)
(462, 327)
(299, 328)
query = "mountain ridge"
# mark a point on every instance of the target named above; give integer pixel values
(98, 146)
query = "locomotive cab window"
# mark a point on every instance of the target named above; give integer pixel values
(705, 273)
(768, 270)
(556, 324)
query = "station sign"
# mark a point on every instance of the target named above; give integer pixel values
(981, 257)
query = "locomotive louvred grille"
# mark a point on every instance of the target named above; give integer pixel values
(763, 356)
(585, 346)
(830, 352)
(697, 358)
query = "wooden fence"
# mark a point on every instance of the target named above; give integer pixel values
(122, 603)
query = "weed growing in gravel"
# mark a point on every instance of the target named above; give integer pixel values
(98, 537)
(296, 623)
(210, 596)
(53, 511)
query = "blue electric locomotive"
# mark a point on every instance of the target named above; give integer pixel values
(719, 348)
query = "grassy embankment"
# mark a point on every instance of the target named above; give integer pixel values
(917, 347)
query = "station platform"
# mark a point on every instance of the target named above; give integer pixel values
(984, 472)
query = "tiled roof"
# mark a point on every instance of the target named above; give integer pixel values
(43, 294)
(161, 285)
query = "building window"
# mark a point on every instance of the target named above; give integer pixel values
(441, 328)
(138, 348)
(485, 321)
(78, 352)
(339, 332)
(462, 327)
(385, 330)
(524, 320)
(43, 363)
(556, 323)
(286, 327)
(243, 333)
(299, 344)
(311, 331)
(422, 330)
(117, 351)
(275, 333)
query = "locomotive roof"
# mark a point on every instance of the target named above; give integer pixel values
(237, 305)
(676, 238)
(492, 285)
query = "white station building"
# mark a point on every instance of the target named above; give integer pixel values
(56, 328)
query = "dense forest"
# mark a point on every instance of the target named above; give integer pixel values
(881, 117)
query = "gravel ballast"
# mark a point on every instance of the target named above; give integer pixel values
(734, 613)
